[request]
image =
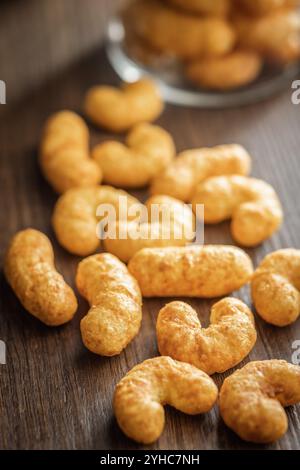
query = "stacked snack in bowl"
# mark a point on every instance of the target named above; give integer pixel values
(220, 44)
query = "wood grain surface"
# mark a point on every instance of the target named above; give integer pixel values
(39, 38)
(53, 392)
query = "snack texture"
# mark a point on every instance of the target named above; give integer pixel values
(275, 287)
(173, 226)
(120, 109)
(253, 398)
(75, 218)
(192, 271)
(178, 34)
(64, 153)
(276, 36)
(115, 313)
(141, 395)
(231, 71)
(148, 151)
(191, 167)
(30, 271)
(229, 338)
(251, 204)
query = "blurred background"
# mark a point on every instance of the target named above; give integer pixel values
(209, 54)
(38, 38)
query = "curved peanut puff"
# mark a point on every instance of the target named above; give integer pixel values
(30, 271)
(252, 205)
(64, 153)
(275, 36)
(252, 399)
(148, 150)
(180, 179)
(114, 318)
(173, 32)
(173, 225)
(275, 287)
(224, 344)
(203, 7)
(233, 70)
(192, 271)
(140, 50)
(120, 109)
(75, 217)
(141, 395)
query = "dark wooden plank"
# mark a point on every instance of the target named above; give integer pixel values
(45, 36)
(53, 392)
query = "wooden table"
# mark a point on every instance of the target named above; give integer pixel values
(53, 392)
